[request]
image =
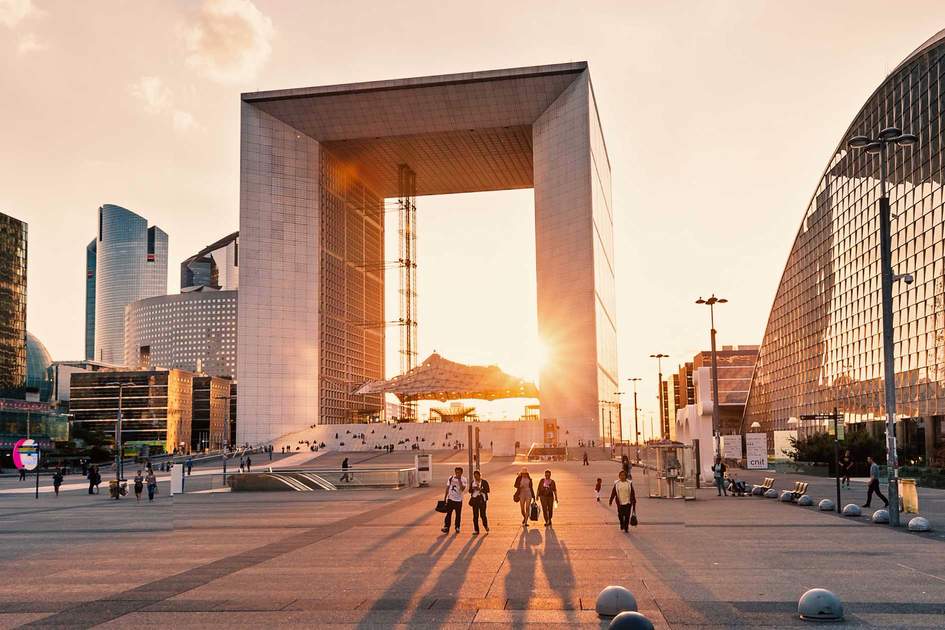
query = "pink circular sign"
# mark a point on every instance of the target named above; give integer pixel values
(26, 454)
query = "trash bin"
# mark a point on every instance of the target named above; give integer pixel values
(910, 498)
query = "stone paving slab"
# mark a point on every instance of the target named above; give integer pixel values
(365, 559)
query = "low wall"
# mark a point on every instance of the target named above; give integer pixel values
(499, 436)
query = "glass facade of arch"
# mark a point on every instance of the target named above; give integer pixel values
(823, 342)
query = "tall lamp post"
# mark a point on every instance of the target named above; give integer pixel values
(878, 146)
(619, 419)
(119, 448)
(636, 418)
(659, 368)
(716, 416)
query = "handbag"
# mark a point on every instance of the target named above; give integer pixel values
(533, 514)
(633, 516)
(441, 506)
(515, 497)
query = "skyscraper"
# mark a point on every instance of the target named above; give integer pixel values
(90, 299)
(12, 305)
(215, 266)
(130, 264)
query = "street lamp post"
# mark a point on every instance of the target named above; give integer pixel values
(226, 425)
(716, 415)
(636, 418)
(659, 367)
(878, 146)
(119, 448)
(619, 419)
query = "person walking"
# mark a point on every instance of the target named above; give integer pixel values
(846, 466)
(91, 477)
(139, 485)
(585, 458)
(22, 474)
(873, 486)
(524, 494)
(626, 500)
(190, 465)
(718, 472)
(269, 450)
(344, 467)
(625, 466)
(151, 482)
(249, 463)
(478, 499)
(597, 489)
(57, 480)
(548, 495)
(455, 486)
(242, 463)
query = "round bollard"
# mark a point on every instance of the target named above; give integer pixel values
(614, 600)
(919, 524)
(851, 509)
(826, 505)
(786, 496)
(757, 491)
(771, 494)
(805, 500)
(880, 516)
(819, 604)
(630, 620)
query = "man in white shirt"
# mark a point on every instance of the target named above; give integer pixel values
(455, 486)
(625, 497)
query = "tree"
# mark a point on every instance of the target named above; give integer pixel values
(819, 448)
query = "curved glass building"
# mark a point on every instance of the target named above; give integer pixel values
(194, 331)
(38, 362)
(130, 264)
(823, 342)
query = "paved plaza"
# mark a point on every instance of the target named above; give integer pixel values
(377, 559)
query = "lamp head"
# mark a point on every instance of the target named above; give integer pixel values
(907, 140)
(858, 142)
(874, 147)
(890, 133)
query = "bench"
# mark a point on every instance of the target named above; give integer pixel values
(764, 487)
(800, 489)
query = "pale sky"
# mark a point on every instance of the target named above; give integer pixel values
(719, 119)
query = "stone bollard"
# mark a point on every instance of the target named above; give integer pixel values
(806, 501)
(819, 604)
(880, 516)
(630, 620)
(786, 496)
(771, 494)
(920, 524)
(851, 509)
(614, 600)
(825, 505)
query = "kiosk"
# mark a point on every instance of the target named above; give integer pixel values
(670, 470)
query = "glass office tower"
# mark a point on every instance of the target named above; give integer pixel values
(12, 306)
(823, 342)
(131, 264)
(90, 299)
